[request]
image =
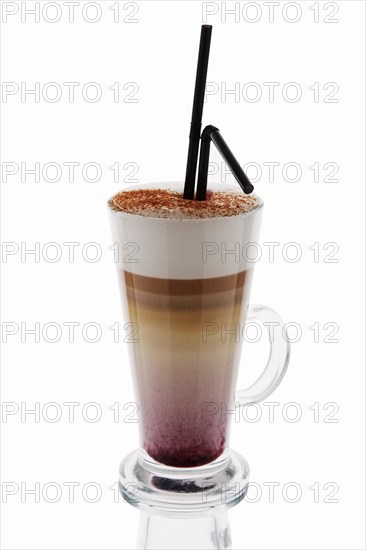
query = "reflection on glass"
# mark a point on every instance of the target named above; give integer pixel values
(160, 532)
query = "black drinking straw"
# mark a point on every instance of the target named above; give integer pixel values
(203, 164)
(199, 94)
(213, 133)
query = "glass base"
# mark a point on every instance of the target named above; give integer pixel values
(155, 488)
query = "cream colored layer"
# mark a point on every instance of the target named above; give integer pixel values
(185, 248)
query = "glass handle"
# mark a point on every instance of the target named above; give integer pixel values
(278, 360)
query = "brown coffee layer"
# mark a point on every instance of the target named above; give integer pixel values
(179, 287)
(186, 293)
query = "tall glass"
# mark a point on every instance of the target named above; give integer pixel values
(185, 287)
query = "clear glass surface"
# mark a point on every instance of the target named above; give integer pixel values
(165, 533)
(185, 298)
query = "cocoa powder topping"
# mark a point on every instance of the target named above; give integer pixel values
(166, 203)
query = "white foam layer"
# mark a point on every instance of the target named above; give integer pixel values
(185, 248)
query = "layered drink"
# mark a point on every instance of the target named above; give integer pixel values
(186, 292)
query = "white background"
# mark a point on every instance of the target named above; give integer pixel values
(158, 52)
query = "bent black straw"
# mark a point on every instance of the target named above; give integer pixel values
(203, 163)
(199, 94)
(213, 133)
